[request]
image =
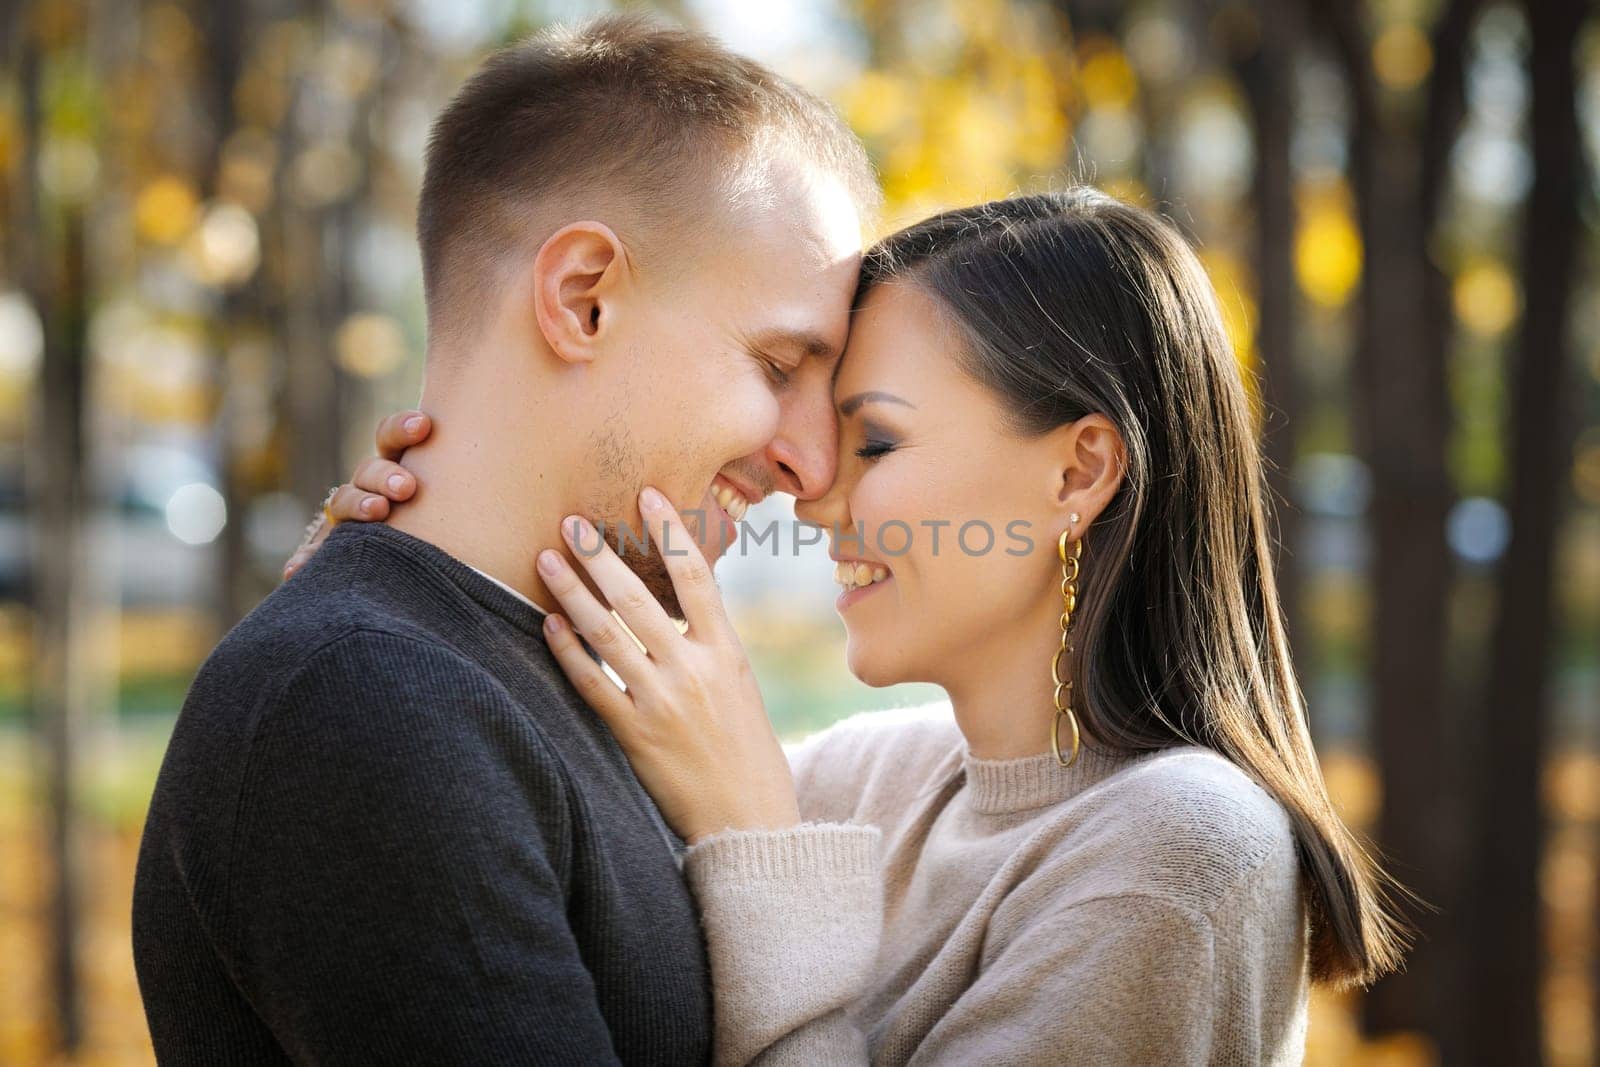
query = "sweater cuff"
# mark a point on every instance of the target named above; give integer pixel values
(792, 920)
(813, 850)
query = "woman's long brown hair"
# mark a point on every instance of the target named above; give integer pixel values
(1073, 303)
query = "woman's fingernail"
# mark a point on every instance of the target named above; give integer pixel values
(553, 624)
(396, 482)
(651, 500)
(549, 562)
(576, 527)
(414, 425)
(368, 504)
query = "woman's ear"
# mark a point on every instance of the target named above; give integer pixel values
(578, 275)
(1093, 461)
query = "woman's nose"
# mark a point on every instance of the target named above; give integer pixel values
(830, 509)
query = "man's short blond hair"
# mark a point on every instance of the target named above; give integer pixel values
(668, 121)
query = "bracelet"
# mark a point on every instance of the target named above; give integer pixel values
(323, 518)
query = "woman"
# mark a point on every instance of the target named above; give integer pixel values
(1114, 844)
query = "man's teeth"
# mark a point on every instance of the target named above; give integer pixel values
(731, 501)
(858, 575)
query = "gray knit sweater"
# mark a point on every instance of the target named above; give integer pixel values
(942, 909)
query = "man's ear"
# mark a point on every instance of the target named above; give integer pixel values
(578, 276)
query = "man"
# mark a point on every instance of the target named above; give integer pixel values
(386, 828)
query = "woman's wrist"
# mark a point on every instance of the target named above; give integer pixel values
(776, 817)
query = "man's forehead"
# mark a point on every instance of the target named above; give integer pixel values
(797, 263)
(806, 214)
(802, 311)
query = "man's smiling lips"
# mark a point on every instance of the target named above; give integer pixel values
(725, 504)
(731, 498)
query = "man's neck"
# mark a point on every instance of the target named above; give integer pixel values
(461, 528)
(473, 502)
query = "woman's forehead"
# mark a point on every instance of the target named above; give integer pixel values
(897, 332)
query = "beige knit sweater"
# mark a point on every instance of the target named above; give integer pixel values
(940, 909)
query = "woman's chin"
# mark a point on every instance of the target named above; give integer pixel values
(870, 665)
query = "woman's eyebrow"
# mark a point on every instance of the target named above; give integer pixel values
(849, 405)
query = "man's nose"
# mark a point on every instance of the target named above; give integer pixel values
(805, 451)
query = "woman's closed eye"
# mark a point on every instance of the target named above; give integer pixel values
(874, 448)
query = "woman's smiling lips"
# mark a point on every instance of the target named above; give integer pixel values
(859, 578)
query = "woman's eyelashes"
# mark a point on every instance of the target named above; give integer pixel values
(874, 447)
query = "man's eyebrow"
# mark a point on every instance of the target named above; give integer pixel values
(849, 404)
(805, 342)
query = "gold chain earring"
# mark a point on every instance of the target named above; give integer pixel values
(1069, 604)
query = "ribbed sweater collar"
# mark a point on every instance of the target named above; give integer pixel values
(999, 787)
(489, 593)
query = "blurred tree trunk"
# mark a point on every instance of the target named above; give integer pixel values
(1399, 156)
(311, 386)
(52, 267)
(315, 294)
(352, 392)
(1266, 71)
(1508, 931)
(222, 27)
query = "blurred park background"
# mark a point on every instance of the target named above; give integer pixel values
(209, 292)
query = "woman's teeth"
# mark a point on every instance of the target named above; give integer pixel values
(858, 575)
(731, 501)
